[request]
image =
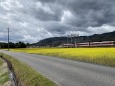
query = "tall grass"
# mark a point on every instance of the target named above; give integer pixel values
(104, 56)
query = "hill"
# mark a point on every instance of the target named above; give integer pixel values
(56, 41)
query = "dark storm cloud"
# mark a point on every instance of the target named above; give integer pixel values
(37, 19)
(92, 12)
(46, 11)
(85, 13)
(55, 27)
(47, 1)
(45, 16)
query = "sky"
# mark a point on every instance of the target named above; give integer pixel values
(33, 20)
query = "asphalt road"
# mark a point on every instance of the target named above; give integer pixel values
(67, 72)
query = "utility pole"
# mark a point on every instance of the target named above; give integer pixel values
(68, 39)
(71, 38)
(74, 36)
(8, 39)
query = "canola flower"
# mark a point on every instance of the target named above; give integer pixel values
(104, 56)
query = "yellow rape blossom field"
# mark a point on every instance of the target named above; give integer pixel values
(103, 56)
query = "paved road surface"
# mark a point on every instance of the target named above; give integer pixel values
(66, 72)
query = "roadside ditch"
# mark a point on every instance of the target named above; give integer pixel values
(7, 74)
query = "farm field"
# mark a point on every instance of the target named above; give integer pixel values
(103, 56)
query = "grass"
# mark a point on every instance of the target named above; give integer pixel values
(4, 77)
(26, 75)
(103, 56)
(1, 62)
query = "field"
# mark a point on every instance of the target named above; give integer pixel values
(103, 56)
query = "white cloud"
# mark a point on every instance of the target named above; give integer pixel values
(67, 15)
(99, 30)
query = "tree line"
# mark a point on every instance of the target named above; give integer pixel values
(14, 45)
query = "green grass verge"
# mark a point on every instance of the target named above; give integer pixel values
(28, 76)
(1, 62)
(4, 78)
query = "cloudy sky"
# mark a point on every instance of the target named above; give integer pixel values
(33, 20)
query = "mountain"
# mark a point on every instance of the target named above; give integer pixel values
(56, 41)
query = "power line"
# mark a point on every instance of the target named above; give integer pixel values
(8, 39)
(27, 2)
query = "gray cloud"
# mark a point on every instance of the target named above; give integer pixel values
(46, 12)
(31, 21)
(46, 1)
(92, 12)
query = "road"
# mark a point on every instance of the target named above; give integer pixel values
(67, 72)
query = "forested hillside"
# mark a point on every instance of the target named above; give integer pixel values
(55, 41)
